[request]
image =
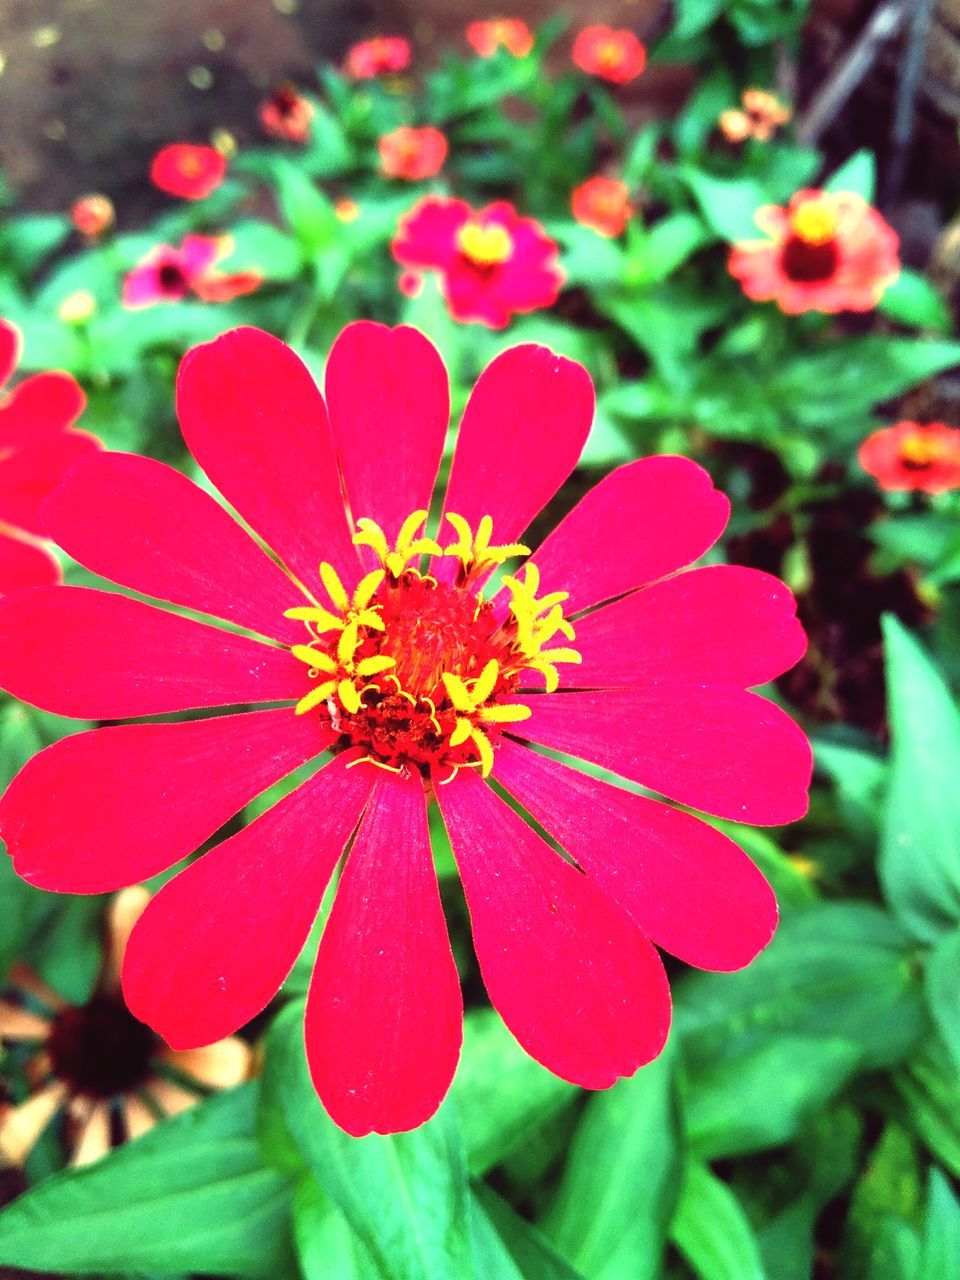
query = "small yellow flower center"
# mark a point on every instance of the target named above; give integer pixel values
(814, 223)
(190, 165)
(922, 450)
(610, 55)
(486, 244)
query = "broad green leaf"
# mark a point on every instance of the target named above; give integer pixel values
(533, 1257)
(621, 1181)
(858, 174)
(919, 860)
(941, 984)
(884, 1207)
(324, 1243)
(193, 1195)
(729, 205)
(666, 246)
(711, 1229)
(31, 237)
(913, 300)
(693, 16)
(940, 1249)
(929, 1083)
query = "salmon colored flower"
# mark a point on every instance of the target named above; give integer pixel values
(167, 274)
(287, 114)
(384, 55)
(612, 53)
(38, 445)
(188, 171)
(826, 251)
(87, 1062)
(512, 34)
(371, 636)
(913, 455)
(762, 115)
(92, 215)
(346, 210)
(602, 204)
(412, 154)
(493, 263)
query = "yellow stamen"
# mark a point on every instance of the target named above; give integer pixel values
(814, 222)
(475, 552)
(408, 546)
(486, 244)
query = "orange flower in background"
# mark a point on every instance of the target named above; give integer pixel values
(411, 153)
(191, 172)
(826, 251)
(92, 215)
(381, 56)
(346, 210)
(170, 274)
(612, 53)
(762, 115)
(287, 114)
(924, 457)
(95, 1067)
(512, 34)
(602, 204)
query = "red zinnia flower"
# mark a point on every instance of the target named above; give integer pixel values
(512, 34)
(287, 114)
(493, 262)
(37, 447)
(421, 687)
(603, 204)
(170, 275)
(92, 215)
(412, 154)
(612, 53)
(913, 455)
(185, 170)
(381, 56)
(827, 251)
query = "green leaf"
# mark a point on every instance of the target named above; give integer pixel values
(533, 1256)
(913, 300)
(929, 1085)
(193, 1195)
(622, 1178)
(884, 1208)
(325, 1246)
(306, 210)
(711, 1229)
(858, 174)
(31, 237)
(919, 864)
(665, 247)
(940, 984)
(694, 16)
(940, 1250)
(728, 205)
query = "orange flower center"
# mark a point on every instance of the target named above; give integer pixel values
(100, 1049)
(921, 450)
(190, 165)
(610, 55)
(815, 222)
(486, 244)
(419, 672)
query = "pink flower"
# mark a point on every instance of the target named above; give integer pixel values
(170, 275)
(382, 55)
(287, 114)
(391, 657)
(487, 36)
(412, 154)
(189, 171)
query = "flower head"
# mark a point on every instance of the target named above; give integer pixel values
(513, 34)
(412, 154)
(84, 1060)
(493, 263)
(92, 215)
(603, 204)
(762, 115)
(612, 53)
(170, 274)
(826, 251)
(383, 55)
(38, 445)
(287, 114)
(410, 680)
(913, 456)
(191, 172)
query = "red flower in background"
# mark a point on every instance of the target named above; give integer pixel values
(913, 456)
(411, 153)
(512, 34)
(826, 251)
(92, 215)
(762, 115)
(612, 53)
(493, 263)
(287, 114)
(188, 171)
(391, 656)
(167, 274)
(602, 204)
(381, 56)
(37, 447)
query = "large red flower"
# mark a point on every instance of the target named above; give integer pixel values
(167, 274)
(37, 447)
(612, 53)
(493, 263)
(186, 170)
(384, 650)
(913, 456)
(826, 251)
(383, 55)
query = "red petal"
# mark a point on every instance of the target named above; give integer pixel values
(40, 405)
(572, 976)
(111, 807)
(98, 656)
(646, 519)
(11, 348)
(254, 419)
(720, 625)
(214, 945)
(384, 1014)
(710, 747)
(523, 430)
(113, 514)
(30, 475)
(24, 565)
(389, 406)
(690, 889)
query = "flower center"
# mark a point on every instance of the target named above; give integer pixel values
(610, 55)
(419, 672)
(100, 1049)
(810, 253)
(485, 244)
(171, 278)
(814, 223)
(917, 452)
(190, 165)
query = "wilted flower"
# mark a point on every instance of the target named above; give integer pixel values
(512, 34)
(381, 56)
(411, 153)
(92, 215)
(612, 53)
(167, 274)
(763, 113)
(287, 114)
(192, 172)
(913, 456)
(602, 204)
